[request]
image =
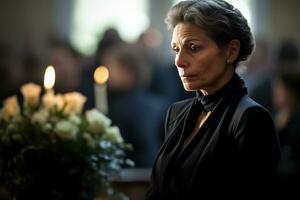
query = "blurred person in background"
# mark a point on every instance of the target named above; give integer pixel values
(287, 51)
(11, 75)
(109, 39)
(259, 72)
(72, 71)
(67, 64)
(258, 66)
(286, 97)
(138, 113)
(33, 60)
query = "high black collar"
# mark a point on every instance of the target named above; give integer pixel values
(208, 102)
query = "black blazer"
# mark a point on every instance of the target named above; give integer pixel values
(236, 149)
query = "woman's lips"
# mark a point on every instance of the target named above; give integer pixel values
(187, 78)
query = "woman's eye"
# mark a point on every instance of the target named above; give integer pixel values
(194, 48)
(176, 50)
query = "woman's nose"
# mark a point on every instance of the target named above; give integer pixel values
(180, 60)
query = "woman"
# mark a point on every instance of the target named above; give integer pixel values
(220, 140)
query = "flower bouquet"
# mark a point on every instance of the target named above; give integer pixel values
(51, 149)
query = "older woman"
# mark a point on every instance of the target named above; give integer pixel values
(220, 140)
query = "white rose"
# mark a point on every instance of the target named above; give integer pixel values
(89, 140)
(31, 93)
(50, 100)
(75, 119)
(114, 135)
(47, 127)
(66, 130)
(10, 109)
(40, 116)
(74, 102)
(97, 122)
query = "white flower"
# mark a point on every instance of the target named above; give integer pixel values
(40, 116)
(31, 93)
(74, 102)
(75, 119)
(10, 109)
(66, 130)
(97, 122)
(47, 127)
(50, 100)
(113, 134)
(89, 140)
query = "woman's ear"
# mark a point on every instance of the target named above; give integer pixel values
(233, 50)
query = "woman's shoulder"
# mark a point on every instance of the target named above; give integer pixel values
(182, 105)
(248, 110)
(177, 110)
(176, 113)
(247, 105)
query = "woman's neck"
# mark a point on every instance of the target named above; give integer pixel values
(221, 83)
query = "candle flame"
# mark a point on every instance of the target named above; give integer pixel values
(49, 78)
(101, 75)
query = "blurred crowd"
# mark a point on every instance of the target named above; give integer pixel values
(142, 85)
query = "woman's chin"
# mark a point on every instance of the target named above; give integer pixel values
(189, 87)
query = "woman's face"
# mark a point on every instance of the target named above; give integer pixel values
(200, 62)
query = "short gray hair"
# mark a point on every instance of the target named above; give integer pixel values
(219, 19)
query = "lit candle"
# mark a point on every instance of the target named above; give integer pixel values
(101, 75)
(49, 99)
(49, 79)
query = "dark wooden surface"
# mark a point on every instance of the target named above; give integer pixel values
(133, 182)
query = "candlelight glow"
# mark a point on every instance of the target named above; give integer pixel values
(49, 78)
(101, 75)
